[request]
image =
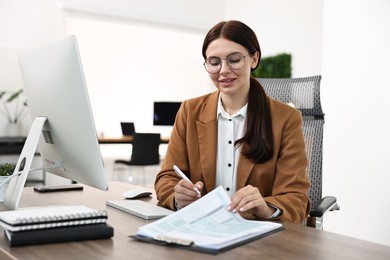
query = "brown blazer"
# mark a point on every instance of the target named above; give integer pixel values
(282, 181)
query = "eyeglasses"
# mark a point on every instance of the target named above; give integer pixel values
(235, 61)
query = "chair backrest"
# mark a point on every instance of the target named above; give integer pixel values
(304, 94)
(145, 149)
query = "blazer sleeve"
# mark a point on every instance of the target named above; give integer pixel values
(176, 153)
(192, 147)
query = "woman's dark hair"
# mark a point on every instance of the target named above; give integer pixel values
(258, 135)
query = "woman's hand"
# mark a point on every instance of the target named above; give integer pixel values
(249, 199)
(185, 192)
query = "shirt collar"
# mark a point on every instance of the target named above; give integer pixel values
(221, 111)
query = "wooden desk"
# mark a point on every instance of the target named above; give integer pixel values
(126, 139)
(295, 242)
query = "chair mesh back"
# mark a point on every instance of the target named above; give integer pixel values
(313, 132)
(304, 94)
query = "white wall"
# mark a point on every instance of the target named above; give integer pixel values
(285, 26)
(11, 80)
(136, 64)
(355, 94)
(189, 14)
(24, 23)
(352, 55)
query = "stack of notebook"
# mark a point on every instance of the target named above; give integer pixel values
(54, 224)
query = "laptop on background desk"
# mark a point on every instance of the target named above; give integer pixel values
(127, 128)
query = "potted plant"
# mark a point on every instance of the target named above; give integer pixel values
(12, 110)
(277, 66)
(6, 170)
(13, 106)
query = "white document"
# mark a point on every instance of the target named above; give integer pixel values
(207, 224)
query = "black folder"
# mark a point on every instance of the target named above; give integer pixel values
(188, 245)
(56, 235)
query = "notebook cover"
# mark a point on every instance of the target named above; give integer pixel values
(56, 235)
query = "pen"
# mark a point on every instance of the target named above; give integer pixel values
(182, 175)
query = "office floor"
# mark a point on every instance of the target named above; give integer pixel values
(138, 175)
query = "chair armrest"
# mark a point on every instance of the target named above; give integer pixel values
(328, 203)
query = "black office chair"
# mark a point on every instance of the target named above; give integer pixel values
(145, 150)
(304, 94)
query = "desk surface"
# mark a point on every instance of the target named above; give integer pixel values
(295, 242)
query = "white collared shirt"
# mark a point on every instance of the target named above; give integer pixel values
(230, 129)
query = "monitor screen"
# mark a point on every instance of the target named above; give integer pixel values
(55, 88)
(164, 113)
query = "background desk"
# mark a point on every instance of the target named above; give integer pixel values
(123, 140)
(295, 242)
(14, 145)
(11, 145)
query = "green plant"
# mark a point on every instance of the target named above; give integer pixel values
(15, 113)
(278, 66)
(6, 169)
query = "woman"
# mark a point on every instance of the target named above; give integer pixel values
(237, 137)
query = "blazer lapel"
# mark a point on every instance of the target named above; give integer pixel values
(207, 138)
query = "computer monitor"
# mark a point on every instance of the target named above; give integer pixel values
(164, 113)
(63, 124)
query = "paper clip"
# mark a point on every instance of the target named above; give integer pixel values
(172, 240)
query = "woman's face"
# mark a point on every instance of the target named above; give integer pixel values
(230, 81)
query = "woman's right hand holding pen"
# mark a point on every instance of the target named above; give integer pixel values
(185, 192)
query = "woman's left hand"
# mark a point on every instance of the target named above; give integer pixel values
(249, 199)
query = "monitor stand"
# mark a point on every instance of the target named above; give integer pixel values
(16, 185)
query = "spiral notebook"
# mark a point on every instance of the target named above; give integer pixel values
(50, 217)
